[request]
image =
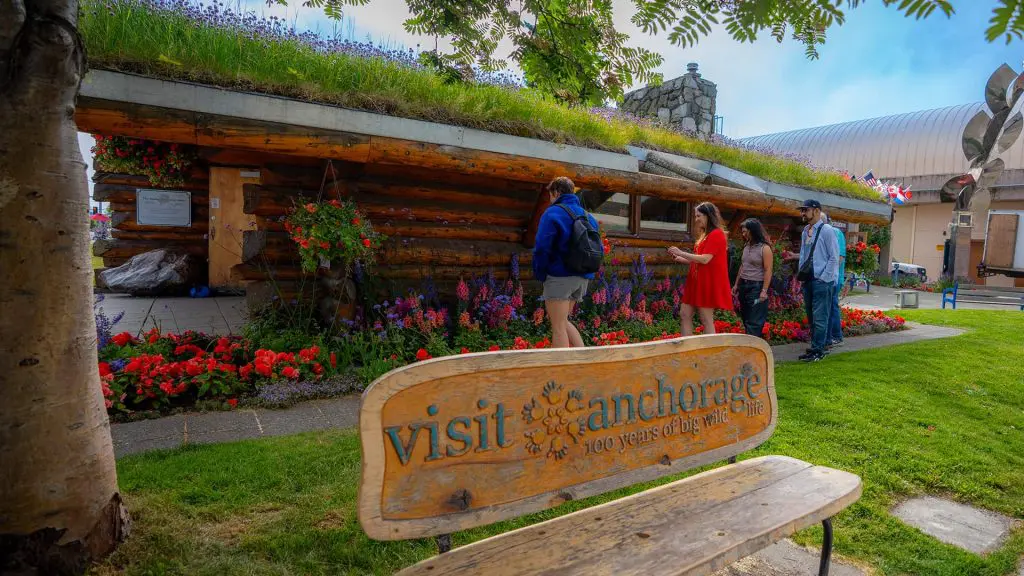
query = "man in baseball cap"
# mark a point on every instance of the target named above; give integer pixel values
(819, 266)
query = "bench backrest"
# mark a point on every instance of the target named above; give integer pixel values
(463, 441)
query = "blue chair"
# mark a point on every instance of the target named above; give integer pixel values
(949, 295)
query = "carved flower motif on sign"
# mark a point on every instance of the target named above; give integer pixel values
(556, 414)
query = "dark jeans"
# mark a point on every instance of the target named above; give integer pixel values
(754, 315)
(835, 318)
(818, 303)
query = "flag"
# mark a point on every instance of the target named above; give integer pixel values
(870, 179)
(897, 195)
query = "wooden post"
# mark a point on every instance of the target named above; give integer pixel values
(734, 224)
(542, 203)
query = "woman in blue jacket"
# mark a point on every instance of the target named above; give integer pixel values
(562, 288)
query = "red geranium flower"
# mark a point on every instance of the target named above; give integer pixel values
(422, 354)
(366, 242)
(290, 373)
(232, 402)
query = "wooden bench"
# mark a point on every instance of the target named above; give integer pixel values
(464, 441)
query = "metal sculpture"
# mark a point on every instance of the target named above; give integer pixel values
(985, 137)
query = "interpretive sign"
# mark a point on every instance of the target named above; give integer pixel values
(163, 207)
(468, 440)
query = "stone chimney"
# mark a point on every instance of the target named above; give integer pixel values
(686, 103)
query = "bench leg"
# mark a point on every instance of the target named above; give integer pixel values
(826, 548)
(444, 543)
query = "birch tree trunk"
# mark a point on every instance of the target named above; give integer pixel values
(59, 502)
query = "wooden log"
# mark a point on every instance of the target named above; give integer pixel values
(264, 246)
(171, 126)
(197, 180)
(443, 178)
(647, 242)
(675, 169)
(125, 194)
(126, 221)
(271, 201)
(199, 211)
(735, 221)
(540, 205)
(128, 119)
(175, 235)
(115, 248)
(408, 191)
(295, 172)
(454, 232)
(109, 262)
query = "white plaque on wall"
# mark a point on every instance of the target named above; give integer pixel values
(163, 207)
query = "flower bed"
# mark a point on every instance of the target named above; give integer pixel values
(162, 372)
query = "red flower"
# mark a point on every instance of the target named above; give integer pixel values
(494, 348)
(304, 243)
(325, 245)
(123, 339)
(464, 350)
(366, 242)
(232, 402)
(334, 360)
(104, 369)
(245, 371)
(311, 208)
(290, 373)
(355, 221)
(422, 354)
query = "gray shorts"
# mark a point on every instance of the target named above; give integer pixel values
(565, 288)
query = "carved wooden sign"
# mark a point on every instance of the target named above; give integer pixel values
(463, 441)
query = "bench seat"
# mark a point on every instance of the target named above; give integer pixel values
(693, 526)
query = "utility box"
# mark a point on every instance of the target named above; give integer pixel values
(906, 299)
(1004, 244)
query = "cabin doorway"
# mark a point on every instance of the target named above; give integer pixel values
(227, 224)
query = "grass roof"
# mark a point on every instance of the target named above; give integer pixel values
(177, 39)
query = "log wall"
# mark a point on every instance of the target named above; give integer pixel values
(442, 225)
(129, 238)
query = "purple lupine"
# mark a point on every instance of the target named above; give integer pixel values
(104, 325)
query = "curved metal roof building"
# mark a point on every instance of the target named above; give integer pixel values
(918, 148)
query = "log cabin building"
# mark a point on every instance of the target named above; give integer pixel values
(454, 202)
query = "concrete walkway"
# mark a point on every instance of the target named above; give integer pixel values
(213, 427)
(882, 298)
(222, 316)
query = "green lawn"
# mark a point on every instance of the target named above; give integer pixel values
(944, 417)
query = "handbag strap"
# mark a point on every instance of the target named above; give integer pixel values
(810, 256)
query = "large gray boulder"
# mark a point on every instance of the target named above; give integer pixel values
(155, 273)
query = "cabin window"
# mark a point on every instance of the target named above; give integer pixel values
(661, 217)
(612, 210)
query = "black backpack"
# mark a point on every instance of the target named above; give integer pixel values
(586, 252)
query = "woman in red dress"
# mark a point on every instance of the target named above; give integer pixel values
(707, 285)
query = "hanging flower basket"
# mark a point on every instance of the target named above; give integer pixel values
(862, 258)
(332, 234)
(166, 165)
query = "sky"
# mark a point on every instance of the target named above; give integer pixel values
(878, 63)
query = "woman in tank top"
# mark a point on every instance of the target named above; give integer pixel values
(751, 287)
